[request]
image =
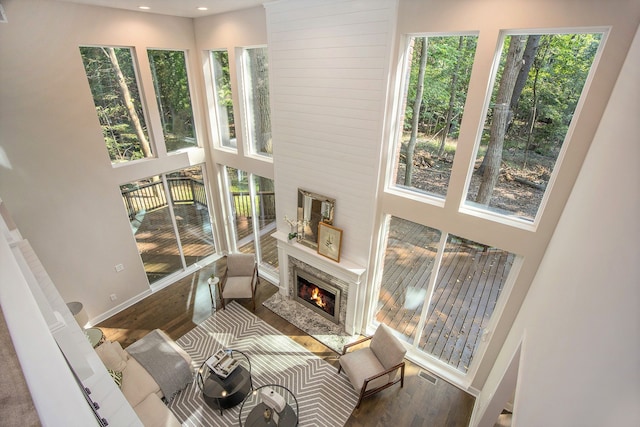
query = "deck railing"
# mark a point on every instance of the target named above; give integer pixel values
(151, 196)
(265, 204)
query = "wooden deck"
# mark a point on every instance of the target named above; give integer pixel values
(465, 295)
(268, 245)
(157, 244)
(159, 250)
(466, 292)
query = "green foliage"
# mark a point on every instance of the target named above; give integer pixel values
(171, 86)
(222, 78)
(554, 86)
(443, 58)
(120, 137)
(169, 71)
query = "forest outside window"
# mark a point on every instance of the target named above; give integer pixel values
(437, 75)
(171, 85)
(538, 83)
(223, 98)
(113, 84)
(256, 100)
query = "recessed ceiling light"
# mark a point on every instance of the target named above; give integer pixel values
(144, 7)
(203, 8)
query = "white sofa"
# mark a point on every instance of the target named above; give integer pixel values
(138, 386)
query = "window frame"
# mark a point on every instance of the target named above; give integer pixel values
(214, 105)
(192, 98)
(156, 151)
(248, 140)
(468, 208)
(398, 113)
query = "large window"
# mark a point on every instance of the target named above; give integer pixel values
(440, 295)
(170, 221)
(256, 100)
(223, 98)
(113, 83)
(537, 87)
(435, 91)
(169, 73)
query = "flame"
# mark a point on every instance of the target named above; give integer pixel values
(315, 296)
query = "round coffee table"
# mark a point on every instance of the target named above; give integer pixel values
(223, 393)
(254, 412)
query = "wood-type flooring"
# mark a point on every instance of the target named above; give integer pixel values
(176, 309)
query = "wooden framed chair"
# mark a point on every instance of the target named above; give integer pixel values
(375, 367)
(240, 278)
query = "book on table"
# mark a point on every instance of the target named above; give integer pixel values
(222, 363)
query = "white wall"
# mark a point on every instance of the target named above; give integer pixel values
(329, 71)
(56, 178)
(581, 318)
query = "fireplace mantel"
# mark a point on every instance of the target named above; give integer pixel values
(345, 270)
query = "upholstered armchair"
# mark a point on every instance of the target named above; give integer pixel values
(375, 367)
(240, 278)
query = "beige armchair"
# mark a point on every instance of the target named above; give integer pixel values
(374, 368)
(240, 279)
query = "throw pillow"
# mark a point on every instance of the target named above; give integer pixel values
(117, 377)
(110, 356)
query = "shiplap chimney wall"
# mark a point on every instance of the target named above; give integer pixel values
(329, 68)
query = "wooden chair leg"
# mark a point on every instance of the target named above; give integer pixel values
(360, 398)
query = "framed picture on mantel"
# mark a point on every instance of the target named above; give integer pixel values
(329, 241)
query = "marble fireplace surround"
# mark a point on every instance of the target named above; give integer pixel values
(345, 275)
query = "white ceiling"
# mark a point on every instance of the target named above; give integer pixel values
(186, 8)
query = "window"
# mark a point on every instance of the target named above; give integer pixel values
(265, 208)
(253, 206)
(170, 221)
(437, 79)
(256, 100)
(440, 295)
(240, 202)
(223, 98)
(112, 79)
(171, 85)
(537, 88)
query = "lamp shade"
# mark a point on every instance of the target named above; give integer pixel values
(77, 309)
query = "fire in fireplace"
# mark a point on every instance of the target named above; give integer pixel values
(317, 295)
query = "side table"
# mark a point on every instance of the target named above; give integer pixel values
(254, 412)
(213, 283)
(95, 336)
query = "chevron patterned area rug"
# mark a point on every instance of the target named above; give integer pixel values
(325, 398)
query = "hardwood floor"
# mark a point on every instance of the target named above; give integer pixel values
(177, 309)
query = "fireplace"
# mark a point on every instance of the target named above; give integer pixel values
(317, 295)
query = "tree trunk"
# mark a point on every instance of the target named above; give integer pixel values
(530, 51)
(261, 110)
(532, 119)
(128, 101)
(452, 99)
(493, 156)
(411, 145)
